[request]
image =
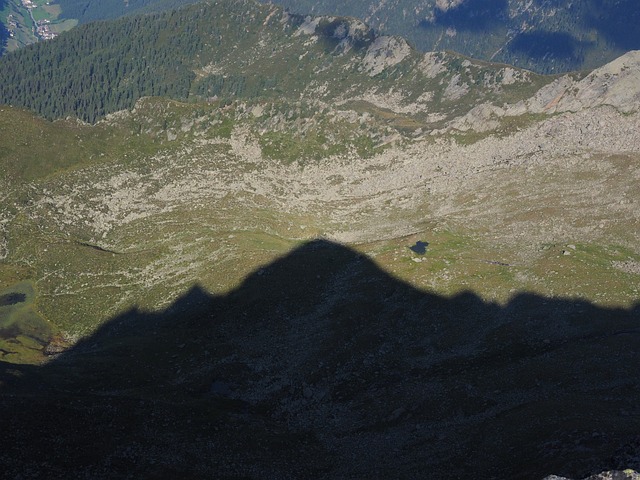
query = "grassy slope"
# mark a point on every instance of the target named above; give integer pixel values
(138, 208)
(257, 54)
(156, 249)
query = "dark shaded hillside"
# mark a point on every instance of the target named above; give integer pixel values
(88, 11)
(322, 365)
(225, 51)
(104, 67)
(618, 22)
(4, 33)
(547, 36)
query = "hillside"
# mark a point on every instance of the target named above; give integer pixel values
(501, 166)
(25, 22)
(322, 365)
(269, 54)
(237, 242)
(541, 35)
(85, 11)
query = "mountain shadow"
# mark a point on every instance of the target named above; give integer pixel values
(4, 32)
(548, 51)
(321, 365)
(539, 45)
(334, 31)
(473, 15)
(617, 21)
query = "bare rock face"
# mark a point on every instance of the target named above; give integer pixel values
(347, 32)
(56, 346)
(611, 475)
(615, 84)
(385, 52)
(481, 118)
(546, 99)
(444, 5)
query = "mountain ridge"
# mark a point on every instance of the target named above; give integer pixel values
(322, 350)
(286, 246)
(436, 92)
(187, 69)
(544, 36)
(541, 35)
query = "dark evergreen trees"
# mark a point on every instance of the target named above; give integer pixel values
(103, 67)
(88, 11)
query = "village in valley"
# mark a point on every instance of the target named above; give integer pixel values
(42, 26)
(29, 21)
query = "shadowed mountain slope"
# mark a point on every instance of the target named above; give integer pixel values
(4, 33)
(86, 11)
(542, 35)
(228, 50)
(322, 365)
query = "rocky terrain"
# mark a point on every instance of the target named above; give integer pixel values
(312, 347)
(321, 365)
(434, 269)
(541, 35)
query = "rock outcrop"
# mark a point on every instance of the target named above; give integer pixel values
(615, 84)
(610, 475)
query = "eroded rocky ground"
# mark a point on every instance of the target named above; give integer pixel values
(507, 348)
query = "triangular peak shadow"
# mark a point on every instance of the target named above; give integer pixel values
(321, 365)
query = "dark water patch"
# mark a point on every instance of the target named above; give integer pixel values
(12, 299)
(221, 388)
(420, 247)
(9, 333)
(23, 331)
